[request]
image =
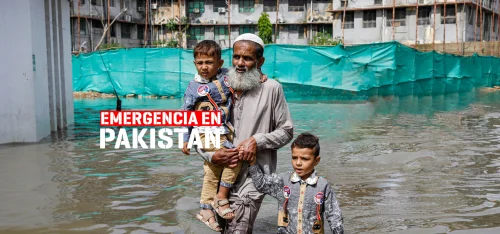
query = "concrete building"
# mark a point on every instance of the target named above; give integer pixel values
(298, 20)
(128, 30)
(36, 95)
(366, 21)
(369, 21)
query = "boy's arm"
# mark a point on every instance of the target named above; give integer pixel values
(332, 211)
(189, 102)
(269, 184)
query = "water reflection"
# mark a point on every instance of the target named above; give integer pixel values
(409, 164)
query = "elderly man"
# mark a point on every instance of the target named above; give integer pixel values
(262, 124)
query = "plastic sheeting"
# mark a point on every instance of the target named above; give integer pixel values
(383, 68)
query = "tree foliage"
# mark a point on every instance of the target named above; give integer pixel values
(325, 39)
(265, 28)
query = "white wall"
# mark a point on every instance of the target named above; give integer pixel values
(31, 97)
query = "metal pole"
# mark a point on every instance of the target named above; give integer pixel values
(498, 28)
(179, 37)
(343, 22)
(79, 26)
(475, 27)
(416, 27)
(146, 25)
(456, 25)
(444, 28)
(481, 26)
(491, 31)
(393, 18)
(276, 26)
(434, 27)
(108, 32)
(229, 21)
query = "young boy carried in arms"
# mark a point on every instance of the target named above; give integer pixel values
(305, 200)
(210, 90)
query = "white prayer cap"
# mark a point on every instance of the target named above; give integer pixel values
(249, 37)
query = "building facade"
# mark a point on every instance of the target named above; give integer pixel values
(158, 22)
(132, 27)
(369, 21)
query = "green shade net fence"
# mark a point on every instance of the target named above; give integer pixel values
(306, 71)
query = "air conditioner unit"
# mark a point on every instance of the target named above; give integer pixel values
(196, 10)
(154, 6)
(212, 22)
(280, 20)
(140, 9)
(128, 18)
(249, 21)
(221, 10)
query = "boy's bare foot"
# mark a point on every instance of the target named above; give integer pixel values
(207, 216)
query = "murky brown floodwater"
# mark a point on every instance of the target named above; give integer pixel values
(405, 165)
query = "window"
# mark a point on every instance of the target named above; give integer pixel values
(325, 28)
(112, 3)
(399, 20)
(82, 2)
(219, 4)
(125, 30)
(369, 19)
(449, 18)
(486, 26)
(124, 4)
(97, 24)
(296, 5)
(196, 6)
(221, 33)
(292, 27)
(269, 5)
(197, 33)
(140, 3)
(140, 31)
(343, 3)
(163, 3)
(112, 30)
(83, 27)
(96, 2)
(301, 30)
(246, 5)
(378, 2)
(247, 29)
(349, 19)
(424, 14)
(277, 34)
(471, 15)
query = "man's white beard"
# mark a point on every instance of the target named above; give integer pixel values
(243, 81)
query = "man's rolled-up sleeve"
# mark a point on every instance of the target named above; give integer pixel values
(283, 125)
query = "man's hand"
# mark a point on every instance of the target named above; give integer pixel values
(185, 149)
(248, 149)
(263, 78)
(226, 157)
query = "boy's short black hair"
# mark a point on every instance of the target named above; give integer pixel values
(208, 48)
(307, 140)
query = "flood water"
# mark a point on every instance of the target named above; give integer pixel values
(414, 164)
